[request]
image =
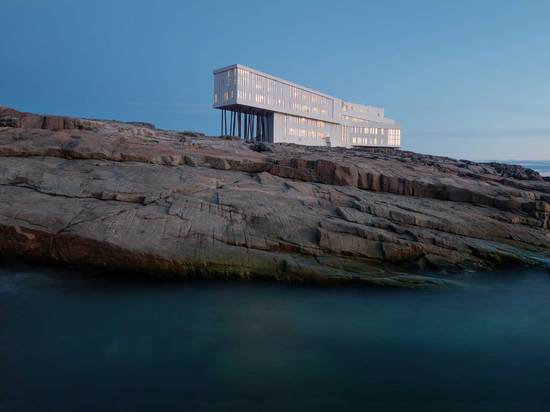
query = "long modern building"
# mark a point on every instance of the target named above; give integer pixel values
(261, 107)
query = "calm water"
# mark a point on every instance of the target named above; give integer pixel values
(76, 341)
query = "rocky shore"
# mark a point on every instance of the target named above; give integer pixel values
(132, 197)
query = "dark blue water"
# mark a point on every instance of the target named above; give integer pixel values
(75, 341)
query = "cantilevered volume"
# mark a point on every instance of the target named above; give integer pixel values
(258, 106)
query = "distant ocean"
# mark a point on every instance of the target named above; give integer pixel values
(541, 166)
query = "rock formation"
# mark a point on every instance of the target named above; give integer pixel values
(133, 197)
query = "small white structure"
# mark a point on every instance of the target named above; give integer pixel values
(265, 108)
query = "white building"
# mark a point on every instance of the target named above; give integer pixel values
(258, 106)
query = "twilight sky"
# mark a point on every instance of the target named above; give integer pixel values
(468, 79)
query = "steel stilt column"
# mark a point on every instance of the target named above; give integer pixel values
(262, 124)
(239, 123)
(246, 127)
(225, 122)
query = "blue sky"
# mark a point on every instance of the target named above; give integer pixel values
(468, 79)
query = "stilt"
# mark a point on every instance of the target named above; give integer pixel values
(246, 127)
(262, 125)
(251, 126)
(225, 122)
(239, 123)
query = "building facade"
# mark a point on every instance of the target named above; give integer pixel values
(258, 106)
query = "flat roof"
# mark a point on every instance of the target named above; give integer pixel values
(269, 76)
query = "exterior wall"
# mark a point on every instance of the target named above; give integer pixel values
(247, 87)
(306, 131)
(373, 136)
(361, 112)
(302, 115)
(310, 132)
(225, 88)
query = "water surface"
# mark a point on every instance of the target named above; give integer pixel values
(541, 166)
(76, 341)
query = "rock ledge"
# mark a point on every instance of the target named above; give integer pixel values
(130, 196)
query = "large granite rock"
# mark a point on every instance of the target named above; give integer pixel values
(129, 196)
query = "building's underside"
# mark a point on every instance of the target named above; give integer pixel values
(247, 122)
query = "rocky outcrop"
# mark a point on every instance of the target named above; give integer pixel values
(134, 197)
